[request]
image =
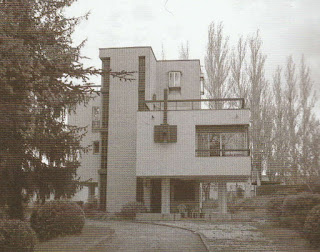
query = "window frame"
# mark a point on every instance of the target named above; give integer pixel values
(204, 148)
(96, 118)
(174, 84)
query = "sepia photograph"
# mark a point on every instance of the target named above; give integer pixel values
(159, 125)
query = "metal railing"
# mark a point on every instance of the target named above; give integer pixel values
(196, 104)
(223, 153)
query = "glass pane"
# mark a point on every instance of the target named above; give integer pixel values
(95, 124)
(96, 113)
(171, 79)
(96, 147)
(234, 141)
(214, 142)
(203, 145)
(177, 79)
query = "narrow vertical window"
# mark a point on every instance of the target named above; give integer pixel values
(96, 147)
(95, 117)
(142, 83)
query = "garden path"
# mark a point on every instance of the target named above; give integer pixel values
(244, 236)
(98, 236)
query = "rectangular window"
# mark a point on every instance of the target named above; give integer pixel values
(96, 117)
(96, 147)
(174, 79)
(218, 143)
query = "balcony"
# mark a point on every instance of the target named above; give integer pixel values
(196, 104)
(223, 153)
(187, 156)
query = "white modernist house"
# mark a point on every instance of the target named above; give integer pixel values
(154, 140)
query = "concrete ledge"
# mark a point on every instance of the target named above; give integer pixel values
(157, 217)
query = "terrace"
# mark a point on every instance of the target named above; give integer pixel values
(195, 104)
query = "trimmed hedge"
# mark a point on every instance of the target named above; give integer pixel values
(280, 189)
(244, 204)
(130, 209)
(296, 207)
(312, 226)
(57, 218)
(16, 235)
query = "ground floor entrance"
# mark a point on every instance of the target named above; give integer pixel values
(178, 195)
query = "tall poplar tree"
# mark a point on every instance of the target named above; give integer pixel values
(257, 100)
(306, 127)
(217, 62)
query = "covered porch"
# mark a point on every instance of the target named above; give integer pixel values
(181, 195)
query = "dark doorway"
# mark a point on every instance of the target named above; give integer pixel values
(156, 195)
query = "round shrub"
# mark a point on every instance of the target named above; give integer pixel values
(239, 192)
(312, 226)
(91, 206)
(16, 235)
(296, 207)
(57, 218)
(130, 209)
(274, 206)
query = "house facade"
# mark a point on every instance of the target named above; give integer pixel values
(154, 140)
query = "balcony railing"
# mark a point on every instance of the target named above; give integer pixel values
(196, 104)
(223, 153)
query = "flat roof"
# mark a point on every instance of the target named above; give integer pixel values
(147, 47)
(130, 47)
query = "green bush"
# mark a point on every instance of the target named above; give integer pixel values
(280, 189)
(274, 206)
(57, 218)
(245, 204)
(130, 209)
(240, 192)
(88, 206)
(296, 207)
(312, 226)
(16, 235)
(3, 213)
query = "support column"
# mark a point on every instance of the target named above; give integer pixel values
(103, 190)
(147, 193)
(222, 197)
(91, 193)
(247, 189)
(165, 196)
(200, 197)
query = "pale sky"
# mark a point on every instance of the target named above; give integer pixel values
(286, 27)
